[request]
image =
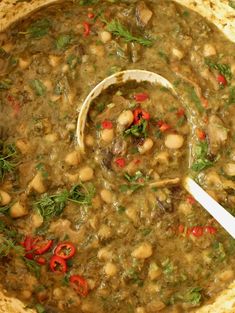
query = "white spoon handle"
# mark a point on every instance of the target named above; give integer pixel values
(214, 208)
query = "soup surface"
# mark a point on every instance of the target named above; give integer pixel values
(113, 229)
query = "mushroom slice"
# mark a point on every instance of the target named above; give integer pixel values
(143, 13)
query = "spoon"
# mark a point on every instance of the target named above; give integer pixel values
(223, 217)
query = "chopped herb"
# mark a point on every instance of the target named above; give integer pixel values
(88, 2)
(164, 56)
(53, 205)
(100, 107)
(120, 30)
(121, 209)
(65, 279)
(40, 308)
(223, 69)
(41, 167)
(63, 41)
(158, 134)
(135, 177)
(38, 87)
(194, 296)
(4, 209)
(219, 253)
(72, 60)
(32, 266)
(9, 245)
(194, 98)
(146, 231)
(231, 3)
(5, 84)
(202, 162)
(168, 267)
(82, 194)
(186, 13)
(139, 130)
(132, 187)
(132, 276)
(180, 121)
(7, 157)
(231, 99)
(39, 28)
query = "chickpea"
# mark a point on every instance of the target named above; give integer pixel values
(146, 146)
(110, 269)
(154, 271)
(86, 173)
(178, 54)
(23, 63)
(140, 310)
(54, 60)
(104, 254)
(23, 145)
(107, 135)
(226, 275)
(104, 232)
(144, 251)
(106, 196)
(37, 183)
(51, 138)
(174, 141)
(209, 50)
(18, 210)
(5, 198)
(37, 220)
(89, 141)
(96, 202)
(73, 178)
(97, 50)
(125, 118)
(26, 294)
(131, 213)
(229, 169)
(73, 158)
(105, 36)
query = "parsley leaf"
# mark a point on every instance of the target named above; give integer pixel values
(39, 28)
(7, 157)
(194, 296)
(5, 84)
(194, 98)
(38, 87)
(202, 162)
(139, 130)
(231, 99)
(82, 194)
(223, 69)
(32, 266)
(116, 28)
(63, 41)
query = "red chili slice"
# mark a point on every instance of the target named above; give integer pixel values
(14, 104)
(87, 29)
(163, 126)
(79, 284)
(40, 260)
(41, 245)
(210, 229)
(141, 97)
(190, 200)
(90, 15)
(201, 134)
(140, 114)
(181, 228)
(106, 124)
(221, 80)
(197, 231)
(65, 250)
(121, 162)
(58, 265)
(28, 245)
(180, 112)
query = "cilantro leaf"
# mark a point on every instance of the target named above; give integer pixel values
(39, 28)
(63, 41)
(139, 130)
(38, 87)
(223, 69)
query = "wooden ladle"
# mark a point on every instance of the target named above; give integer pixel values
(226, 220)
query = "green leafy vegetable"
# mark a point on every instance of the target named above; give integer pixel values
(40, 308)
(5, 84)
(38, 87)
(194, 98)
(9, 245)
(132, 187)
(194, 296)
(82, 194)
(139, 130)
(72, 60)
(7, 159)
(133, 277)
(223, 69)
(168, 267)
(39, 28)
(116, 28)
(53, 205)
(201, 154)
(32, 266)
(63, 41)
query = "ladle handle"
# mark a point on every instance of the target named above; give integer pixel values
(223, 217)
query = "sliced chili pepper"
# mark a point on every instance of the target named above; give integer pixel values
(79, 284)
(58, 265)
(197, 231)
(65, 250)
(87, 29)
(180, 112)
(210, 229)
(41, 245)
(90, 15)
(40, 260)
(163, 126)
(121, 162)
(221, 80)
(14, 104)
(137, 161)
(107, 124)
(28, 245)
(205, 102)
(141, 97)
(140, 114)
(190, 200)
(181, 228)
(201, 134)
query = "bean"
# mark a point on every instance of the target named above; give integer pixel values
(72, 158)
(51, 138)
(107, 135)
(54, 60)
(89, 141)
(37, 220)
(209, 50)
(86, 173)
(144, 251)
(140, 310)
(154, 271)
(104, 232)
(174, 141)
(106, 196)
(126, 118)
(110, 269)
(178, 54)
(226, 275)
(23, 63)
(37, 183)
(105, 36)
(5, 198)
(18, 210)
(229, 169)
(104, 254)
(97, 50)
(146, 146)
